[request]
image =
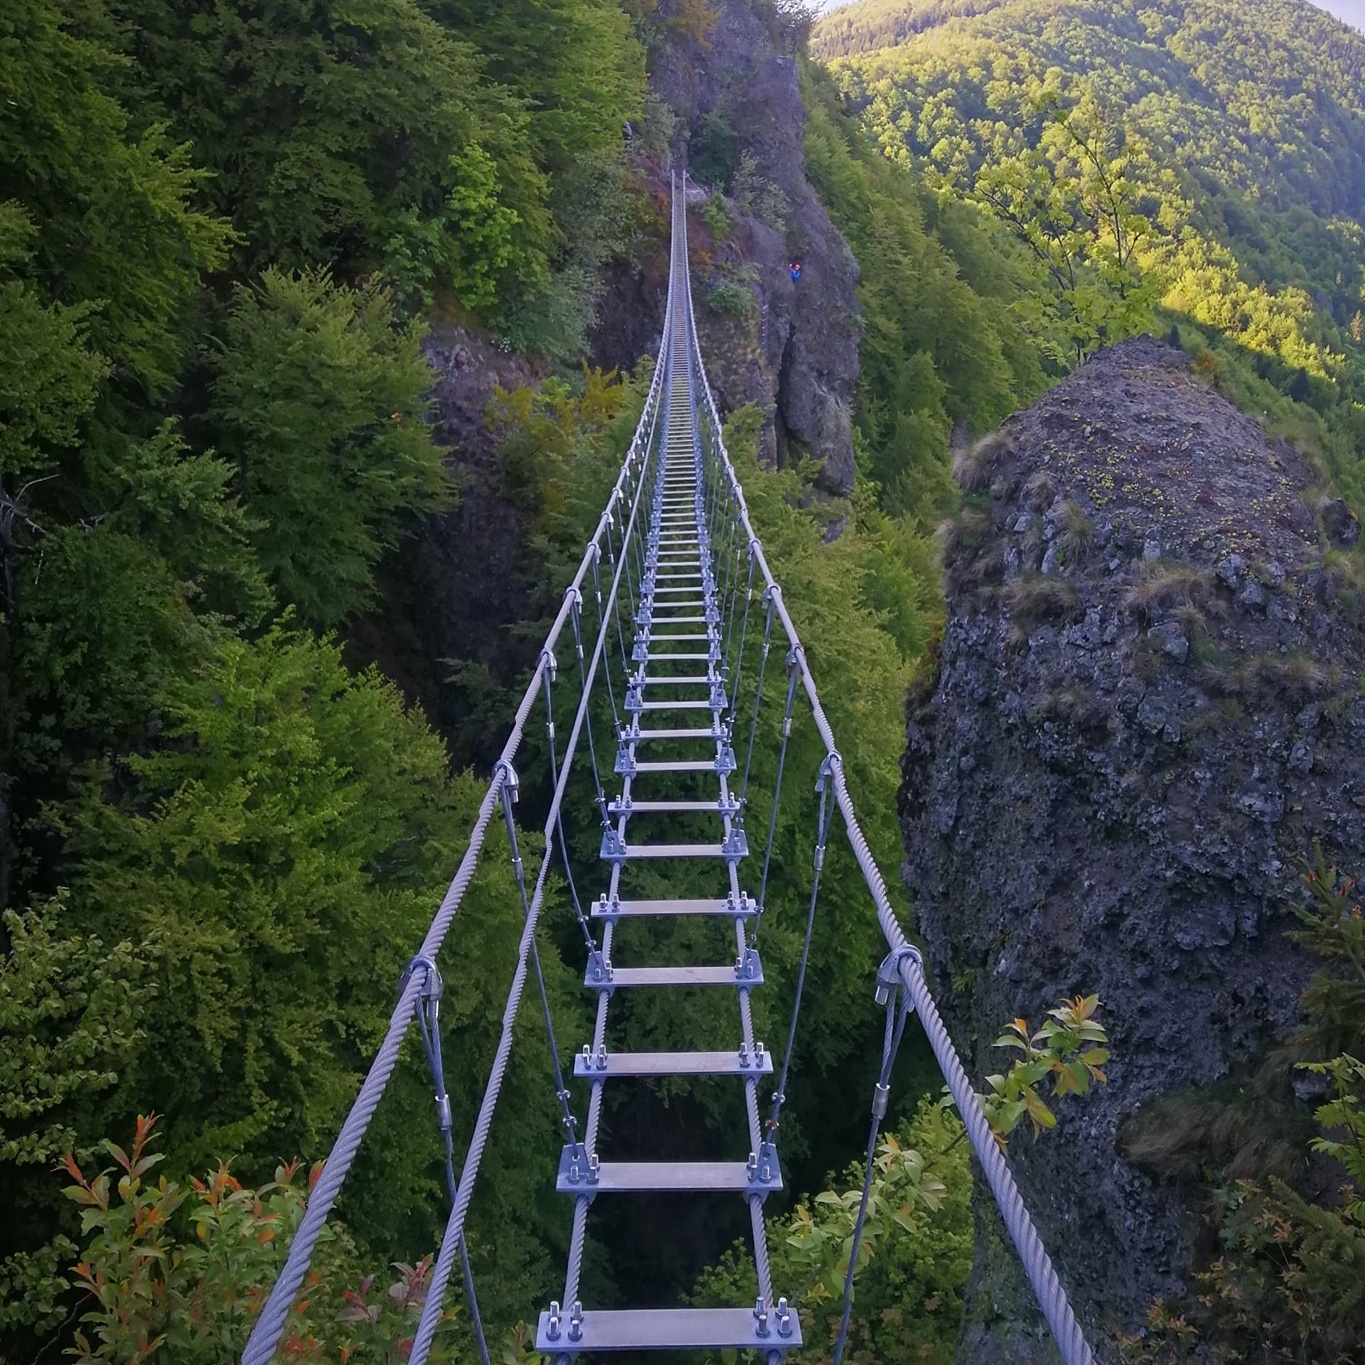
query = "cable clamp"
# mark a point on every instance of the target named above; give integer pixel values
(889, 973)
(432, 987)
(551, 666)
(827, 769)
(511, 783)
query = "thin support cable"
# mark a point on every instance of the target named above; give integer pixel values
(792, 675)
(729, 594)
(509, 795)
(550, 672)
(614, 559)
(429, 1025)
(601, 797)
(771, 597)
(890, 1046)
(739, 653)
(823, 819)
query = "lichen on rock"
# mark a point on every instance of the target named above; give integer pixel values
(1149, 705)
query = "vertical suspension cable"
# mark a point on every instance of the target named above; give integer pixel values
(890, 1046)
(758, 691)
(561, 1091)
(777, 784)
(549, 673)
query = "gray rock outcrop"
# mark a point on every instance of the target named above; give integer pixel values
(795, 352)
(1149, 706)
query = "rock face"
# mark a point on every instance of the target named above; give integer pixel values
(451, 589)
(455, 588)
(1149, 705)
(795, 350)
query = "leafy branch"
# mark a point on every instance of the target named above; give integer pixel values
(1070, 1049)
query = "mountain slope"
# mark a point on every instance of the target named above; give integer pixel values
(1206, 158)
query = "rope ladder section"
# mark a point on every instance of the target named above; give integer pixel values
(686, 616)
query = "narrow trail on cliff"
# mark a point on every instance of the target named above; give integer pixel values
(675, 626)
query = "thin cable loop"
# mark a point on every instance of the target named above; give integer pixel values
(890, 1046)
(823, 819)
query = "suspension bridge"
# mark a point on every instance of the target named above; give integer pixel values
(674, 613)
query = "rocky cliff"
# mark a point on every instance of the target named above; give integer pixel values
(1149, 705)
(790, 346)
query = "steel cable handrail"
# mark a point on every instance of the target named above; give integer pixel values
(269, 1327)
(1042, 1275)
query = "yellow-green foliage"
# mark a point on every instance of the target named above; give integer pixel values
(913, 1260)
(1201, 155)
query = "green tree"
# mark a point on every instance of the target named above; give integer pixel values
(109, 194)
(278, 850)
(331, 128)
(320, 399)
(285, 846)
(49, 376)
(70, 1014)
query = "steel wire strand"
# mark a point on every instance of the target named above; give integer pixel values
(792, 672)
(758, 694)
(429, 1025)
(890, 1046)
(561, 1091)
(431, 1309)
(269, 1326)
(823, 819)
(601, 794)
(588, 941)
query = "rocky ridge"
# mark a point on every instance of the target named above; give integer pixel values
(1149, 706)
(456, 589)
(793, 347)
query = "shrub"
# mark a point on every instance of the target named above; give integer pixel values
(1162, 586)
(1033, 599)
(1075, 532)
(181, 1272)
(972, 465)
(730, 296)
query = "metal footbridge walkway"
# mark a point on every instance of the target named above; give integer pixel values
(673, 615)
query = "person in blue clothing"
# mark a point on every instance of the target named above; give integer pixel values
(795, 268)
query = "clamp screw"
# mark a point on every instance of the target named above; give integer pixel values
(761, 1317)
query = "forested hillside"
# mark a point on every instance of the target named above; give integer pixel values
(1202, 159)
(221, 228)
(224, 233)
